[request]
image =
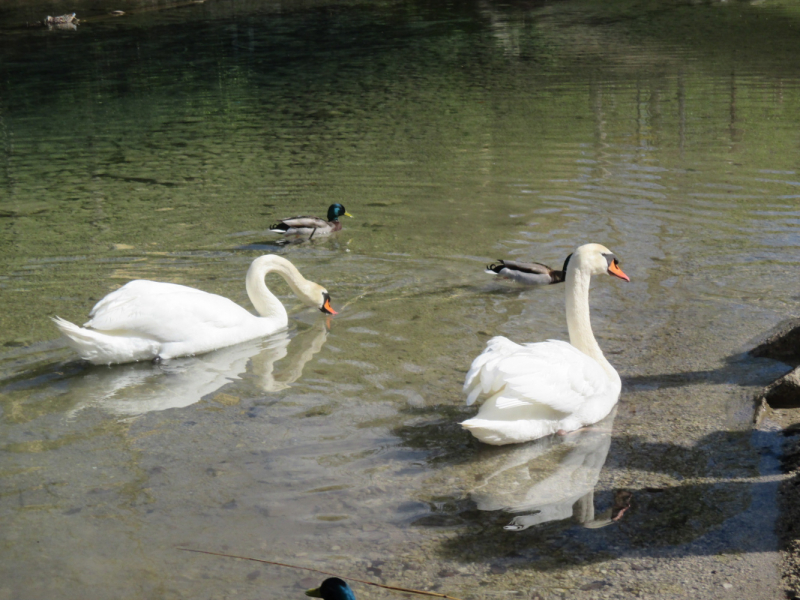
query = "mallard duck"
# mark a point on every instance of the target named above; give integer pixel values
(547, 387)
(146, 320)
(312, 227)
(332, 588)
(528, 273)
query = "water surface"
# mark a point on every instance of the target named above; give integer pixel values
(163, 143)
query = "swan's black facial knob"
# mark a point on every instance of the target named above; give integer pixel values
(326, 304)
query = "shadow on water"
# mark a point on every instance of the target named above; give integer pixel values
(548, 503)
(281, 243)
(739, 369)
(687, 520)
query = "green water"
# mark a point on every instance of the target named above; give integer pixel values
(163, 143)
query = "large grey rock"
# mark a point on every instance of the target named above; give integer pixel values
(783, 392)
(782, 343)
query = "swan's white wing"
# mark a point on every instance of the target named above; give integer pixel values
(480, 377)
(164, 311)
(553, 374)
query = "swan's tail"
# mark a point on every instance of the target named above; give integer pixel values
(499, 433)
(103, 348)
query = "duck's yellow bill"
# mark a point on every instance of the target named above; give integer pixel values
(347, 214)
(314, 593)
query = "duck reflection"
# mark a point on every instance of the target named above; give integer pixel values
(135, 389)
(550, 479)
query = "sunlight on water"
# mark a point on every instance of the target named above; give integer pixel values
(163, 145)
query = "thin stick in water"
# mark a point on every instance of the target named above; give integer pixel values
(270, 562)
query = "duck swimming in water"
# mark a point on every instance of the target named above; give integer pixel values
(528, 273)
(312, 227)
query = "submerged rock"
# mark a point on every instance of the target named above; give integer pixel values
(783, 344)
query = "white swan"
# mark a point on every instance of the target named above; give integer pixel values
(148, 319)
(547, 387)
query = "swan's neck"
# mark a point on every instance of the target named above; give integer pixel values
(264, 301)
(578, 323)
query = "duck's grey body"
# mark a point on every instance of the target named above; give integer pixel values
(311, 227)
(528, 273)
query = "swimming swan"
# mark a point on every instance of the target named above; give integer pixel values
(144, 320)
(547, 387)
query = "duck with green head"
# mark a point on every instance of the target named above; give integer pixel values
(312, 227)
(332, 588)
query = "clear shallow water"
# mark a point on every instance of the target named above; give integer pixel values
(162, 145)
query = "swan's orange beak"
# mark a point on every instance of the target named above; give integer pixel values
(613, 269)
(327, 308)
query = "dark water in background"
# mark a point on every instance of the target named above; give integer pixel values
(163, 143)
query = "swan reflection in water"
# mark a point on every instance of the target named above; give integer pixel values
(550, 479)
(135, 389)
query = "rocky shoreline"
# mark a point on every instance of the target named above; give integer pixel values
(780, 402)
(789, 510)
